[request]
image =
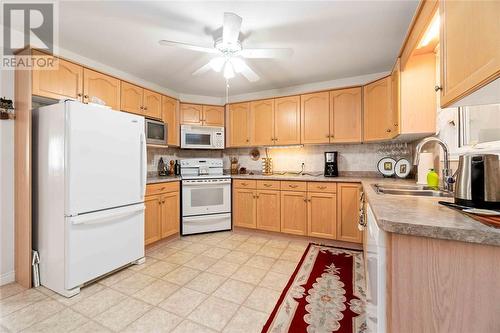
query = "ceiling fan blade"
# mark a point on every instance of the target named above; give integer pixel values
(231, 28)
(188, 46)
(242, 68)
(266, 53)
(203, 69)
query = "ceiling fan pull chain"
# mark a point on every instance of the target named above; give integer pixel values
(227, 91)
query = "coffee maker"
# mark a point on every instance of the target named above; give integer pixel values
(331, 168)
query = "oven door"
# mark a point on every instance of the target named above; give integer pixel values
(206, 196)
(196, 138)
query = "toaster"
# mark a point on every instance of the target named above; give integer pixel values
(478, 181)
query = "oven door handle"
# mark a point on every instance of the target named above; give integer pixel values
(203, 183)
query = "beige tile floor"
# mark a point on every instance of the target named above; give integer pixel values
(220, 282)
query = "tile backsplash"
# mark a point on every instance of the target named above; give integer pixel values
(352, 157)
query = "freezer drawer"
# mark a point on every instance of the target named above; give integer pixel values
(98, 243)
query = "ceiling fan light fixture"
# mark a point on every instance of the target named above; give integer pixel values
(238, 64)
(217, 63)
(228, 70)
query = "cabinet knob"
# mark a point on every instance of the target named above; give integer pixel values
(321, 187)
(79, 95)
(292, 186)
(388, 130)
(145, 108)
(396, 125)
(305, 200)
(244, 184)
(248, 140)
(85, 96)
(268, 185)
(437, 88)
(328, 135)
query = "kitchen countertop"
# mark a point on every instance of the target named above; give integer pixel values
(402, 214)
(162, 179)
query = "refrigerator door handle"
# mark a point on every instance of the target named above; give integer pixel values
(143, 162)
(106, 216)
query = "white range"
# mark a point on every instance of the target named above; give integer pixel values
(89, 185)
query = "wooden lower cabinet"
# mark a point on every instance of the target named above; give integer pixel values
(152, 217)
(162, 215)
(348, 201)
(322, 215)
(244, 208)
(294, 213)
(268, 210)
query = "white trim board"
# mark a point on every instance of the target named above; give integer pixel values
(7, 278)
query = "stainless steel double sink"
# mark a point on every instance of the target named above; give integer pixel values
(412, 190)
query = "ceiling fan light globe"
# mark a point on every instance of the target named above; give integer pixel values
(217, 63)
(228, 70)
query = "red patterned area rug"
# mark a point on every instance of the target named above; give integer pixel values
(325, 294)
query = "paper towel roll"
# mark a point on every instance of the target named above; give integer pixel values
(426, 162)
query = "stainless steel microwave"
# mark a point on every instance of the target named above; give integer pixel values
(156, 132)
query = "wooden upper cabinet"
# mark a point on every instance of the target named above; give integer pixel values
(262, 122)
(64, 82)
(345, 115)
(396, 98)
(239, 123)
(287, 120)
(213, 115)
(170, 116)
(322, 215)
(101, 86)
(315, 118)
(244, 209)
(294, 212)
(469, 46)
(152, 104)
(191, 114)
(378, 117)
(268, 210)
(348, 201)
(131, 98)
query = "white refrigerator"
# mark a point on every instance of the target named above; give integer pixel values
(89, 182)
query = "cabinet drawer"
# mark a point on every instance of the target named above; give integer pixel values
(322, 187)
(158, 188)
(242, 183)
(268, 185)
(293, 186)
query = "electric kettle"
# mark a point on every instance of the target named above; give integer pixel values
(478, 181)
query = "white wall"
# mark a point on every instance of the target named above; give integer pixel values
(7, 185)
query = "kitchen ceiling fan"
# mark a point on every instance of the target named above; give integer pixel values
(230, 51)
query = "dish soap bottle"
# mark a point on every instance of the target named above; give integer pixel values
(432, 178)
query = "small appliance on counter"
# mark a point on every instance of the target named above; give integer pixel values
(478, 181)
(331, 164)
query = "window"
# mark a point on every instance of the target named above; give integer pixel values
(479, 124)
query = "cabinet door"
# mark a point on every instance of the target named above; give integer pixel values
(191, 114)
(396, 97)
(287, 120)
(345, 115)
(152, 218)
(322, 215)
(378, 116)
(262, 122)
(170, 214)
(152, 104)
(268, 210)
(470, 46)
(348, 200)
(170, 116)
(213, 115)
(244, 209)
(294, 212)
(64, 82)
(131, 98)
(239, 124)
(315, 118)
(104, 87)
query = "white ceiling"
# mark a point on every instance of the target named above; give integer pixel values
(331, 39)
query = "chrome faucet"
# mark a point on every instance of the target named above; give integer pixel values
(447, 174)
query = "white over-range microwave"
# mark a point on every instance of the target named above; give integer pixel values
(202, 137)
(156, 132)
